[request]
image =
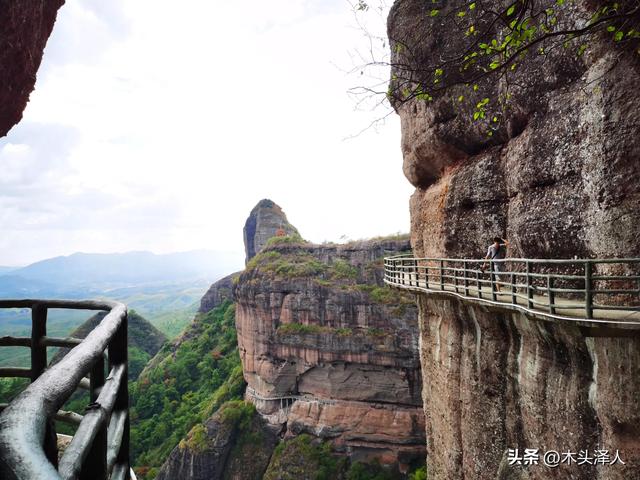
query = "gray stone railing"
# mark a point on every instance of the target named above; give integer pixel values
(595, 291)
(99, 449)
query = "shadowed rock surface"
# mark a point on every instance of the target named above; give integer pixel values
(263, 223)
(25, 27)
(558, 179)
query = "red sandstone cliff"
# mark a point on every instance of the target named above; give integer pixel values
(25, 27)
(558, 178)
(315, 323)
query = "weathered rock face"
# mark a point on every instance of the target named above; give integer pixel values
(264, 222)
(316, 323)
(24, 30)
(558, 179)
(218, 292)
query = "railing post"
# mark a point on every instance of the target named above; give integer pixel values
(38, 350)
(466, 279)
(455, 279)
(514, 299)
(38, 364)
(550, 292)
(588, 293)
(529, 286)
(478, 286)
(95, 465)
(118, 355)
(426, 274)
(492, 276)
(441, 274)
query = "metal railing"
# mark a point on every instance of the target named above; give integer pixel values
(595, 290)
(99, 449)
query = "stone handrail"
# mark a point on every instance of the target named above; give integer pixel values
(99, 449)
(591, 291)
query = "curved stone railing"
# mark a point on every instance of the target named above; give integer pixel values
(99, 449)
(594, 291)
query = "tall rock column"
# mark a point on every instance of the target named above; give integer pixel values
(558, 177)
(265, 221)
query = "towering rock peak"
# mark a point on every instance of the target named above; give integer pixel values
(24, 30)
(328, 350)
(266, 220)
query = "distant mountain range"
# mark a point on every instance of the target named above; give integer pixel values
(165, 289)
(83, 274)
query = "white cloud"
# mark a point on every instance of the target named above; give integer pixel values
(165, 125)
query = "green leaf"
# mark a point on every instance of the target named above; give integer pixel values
(560, 2)
(438, 72)
(461, 98)
(476, 115)
(462, 14)
(611, 28)
(510, 10)
(494, 65)
(475, 88)
(472, 6)
(434, 12)
(618, 36)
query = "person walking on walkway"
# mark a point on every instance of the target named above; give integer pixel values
(497, 251)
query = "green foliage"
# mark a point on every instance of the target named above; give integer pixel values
(196, 440)
(304, 457)
(10, 387)
(290, 264)
(341, 269)
(370, 471)
(376, 332)
(300, 328)
(343, 332)
(419, 474)
(293, 238)
(527, 31)
(183, 387)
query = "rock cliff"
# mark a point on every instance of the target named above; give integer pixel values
(235, 443)
(265, 221)
(328, 351)
(24, 30)
(218, 292)
(558, 178)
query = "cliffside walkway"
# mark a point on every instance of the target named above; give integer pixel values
(287, 400)
(590, 292)
(99, 449)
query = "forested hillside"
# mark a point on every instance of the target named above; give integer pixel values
(183, 385)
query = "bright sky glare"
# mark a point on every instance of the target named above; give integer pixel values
(158, 126)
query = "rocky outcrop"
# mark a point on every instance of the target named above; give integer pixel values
(232, 444)
(330, 351)
(24, 30)
(218, 292)
(265, 221)
(558, 178)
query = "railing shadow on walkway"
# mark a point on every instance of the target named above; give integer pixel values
(588, 291)
(99, 449)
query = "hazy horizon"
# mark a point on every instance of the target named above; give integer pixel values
(138, 140)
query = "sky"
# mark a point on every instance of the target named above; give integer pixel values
(158, 128)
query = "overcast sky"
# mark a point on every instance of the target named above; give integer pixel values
(158, 125)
